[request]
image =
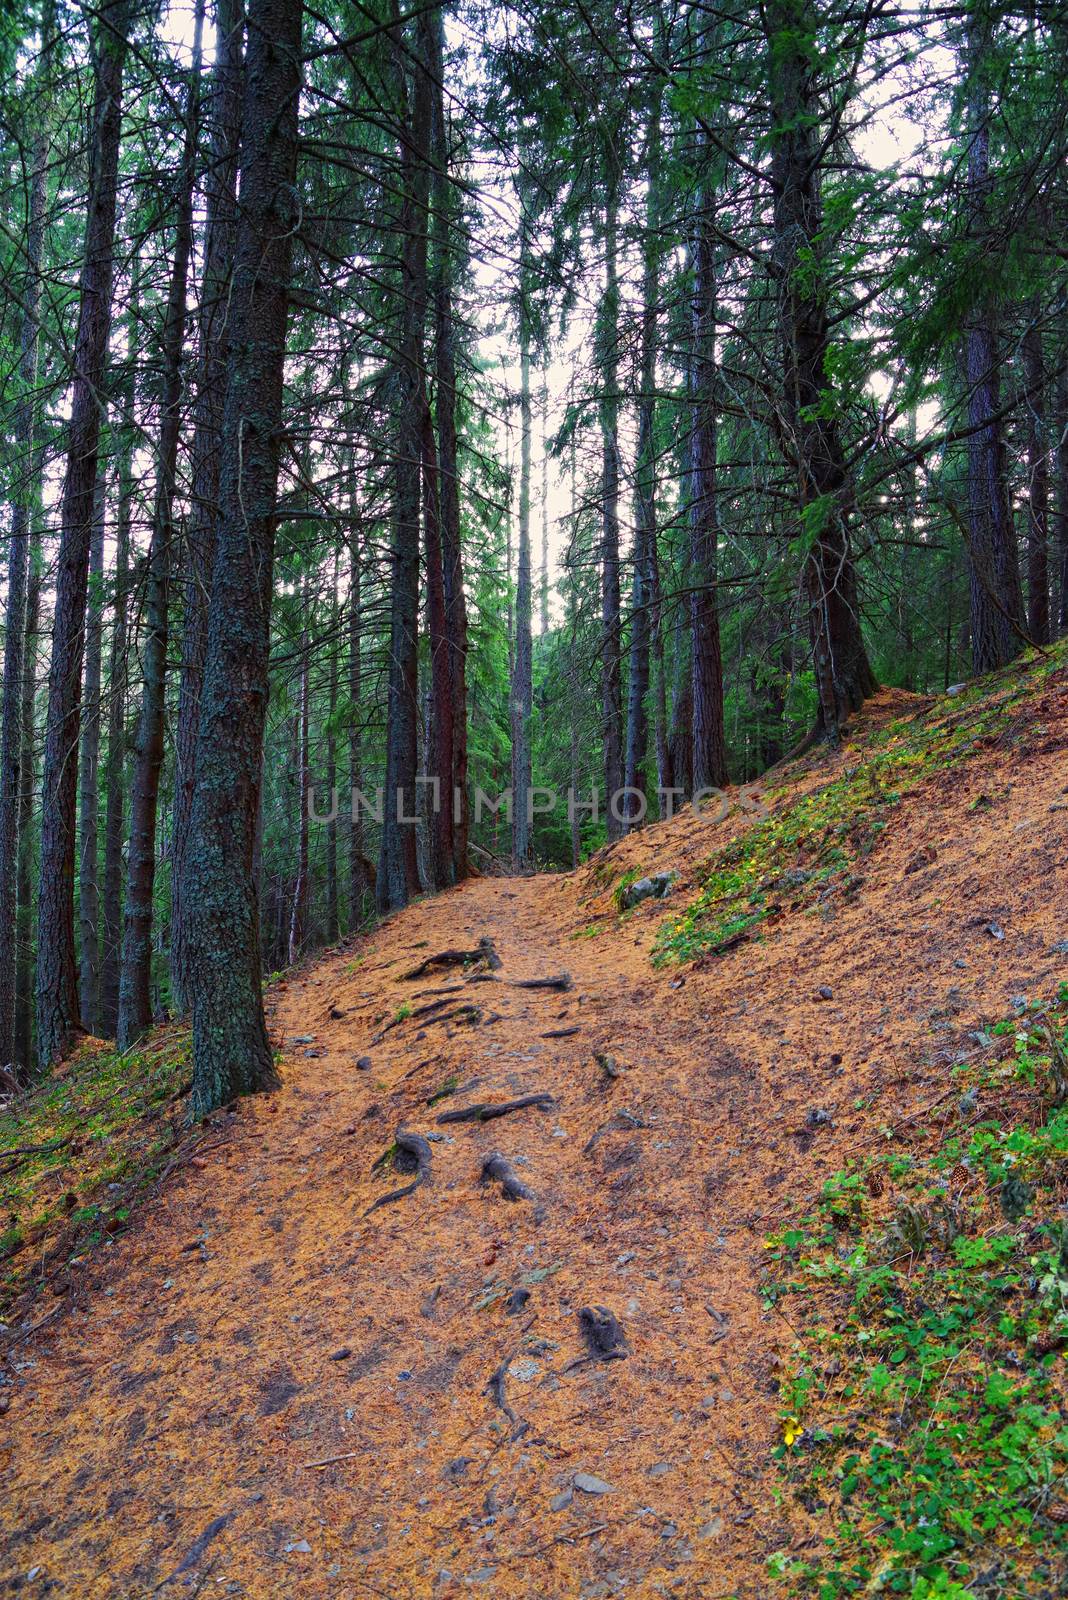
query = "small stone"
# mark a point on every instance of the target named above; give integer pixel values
(340, 1355)
(516, 1301)
(659, 1469)
(404, 1376)
(523, 1369)
(711, 1529)
(818, 1118)
(825, 992)
(364, 1063)
(481, 1575)
(587, 1483)
(298, 1546)
(303, 1038)
(561, 1501)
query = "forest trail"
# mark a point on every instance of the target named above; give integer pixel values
(267, 1391)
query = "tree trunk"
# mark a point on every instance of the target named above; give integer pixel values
(398, 873)
(522, 674)
(608, 369)
(993, 563)
(706, 663)
(25, 967)
(333, 915)
(361, 887)
(439, 729)
(214, 329)
(1038, 452)
(644, 491)
(135, 978)
(844, 678)
(231, 1052)
(1062, 490)
(26, 496)
(89, 806)
(57, 982)
(118, 670)
(298, 920)
(448, 469)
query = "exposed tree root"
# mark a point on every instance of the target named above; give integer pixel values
(562, 1033)
(413, 1144)
(562, 980)
(485, 1111)
(483, 951)
(495, 1166)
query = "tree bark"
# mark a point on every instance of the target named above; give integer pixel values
(118, 669)
(439, 722)
(57, 982)
(993, 563)
(523, 669)
(1038, 454)
(88, 805)
(298, 919)
(608, 369)
(398, 873)
(843, 674)
(231, 1052)
(445, 404)
(25, 967)
(224, 117)
(26, 497)
(361, 887)
(644, 590)
(135, 978)
(706, 662)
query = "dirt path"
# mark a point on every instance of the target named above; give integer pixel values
(258, 1322)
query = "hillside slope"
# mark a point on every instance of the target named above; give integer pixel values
(267, 1388)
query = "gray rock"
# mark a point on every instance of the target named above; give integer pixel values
(654, 887)
(586, 1483)
(561, 1501)
(300, 1546)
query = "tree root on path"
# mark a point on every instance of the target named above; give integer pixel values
(413, 1144)
(496, 1384)
(562, 980)
(483, 951)
(495, 1166)
(485, 1111)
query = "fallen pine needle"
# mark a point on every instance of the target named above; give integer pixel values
(328, 1461)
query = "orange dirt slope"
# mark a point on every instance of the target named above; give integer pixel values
(265, 1391)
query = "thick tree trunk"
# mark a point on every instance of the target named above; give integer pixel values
(445, 401)
(706, 662)
(843, 674)
(26, 494)
(543, 579)
(361, 886)
(135, 979)
(1062, 492)
(231, 1052)
(332, 930)
(611, 632)
(25, 966)
(224, 117)
(522, 674)
(993, 562)
(439, 722)
(1038, 453)
(398, 872)
(118, 669)
(88, 802)
(298, 918)
(645, 585)
(57, 982)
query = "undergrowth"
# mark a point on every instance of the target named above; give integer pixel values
(78, 1149)
(813, 847)
(925, 1411)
